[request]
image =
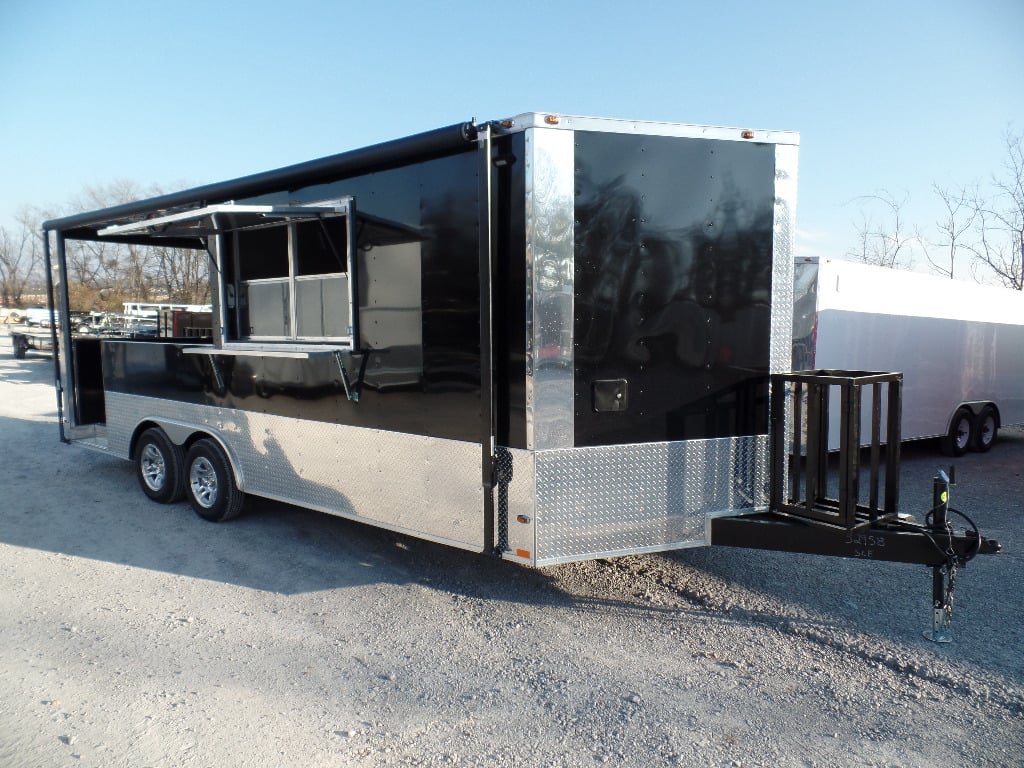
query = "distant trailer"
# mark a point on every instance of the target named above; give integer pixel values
(152, 310)
(22, 341)
(960, 345)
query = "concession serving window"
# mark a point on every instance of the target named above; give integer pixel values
(286, 272)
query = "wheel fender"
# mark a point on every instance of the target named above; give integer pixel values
(184, 434)
(233, 462)
(974, 406)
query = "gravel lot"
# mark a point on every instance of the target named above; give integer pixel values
(135, 634)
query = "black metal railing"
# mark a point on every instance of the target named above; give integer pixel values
(804, 450)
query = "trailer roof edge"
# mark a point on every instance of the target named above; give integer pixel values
(435, 143)
(554, 120)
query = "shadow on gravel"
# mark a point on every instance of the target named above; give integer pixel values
(33, 369)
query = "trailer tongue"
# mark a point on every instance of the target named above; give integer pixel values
(804, 517)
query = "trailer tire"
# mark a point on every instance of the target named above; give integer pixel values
(986, 429)
(961, 433)
(159, 466)
(210, 483)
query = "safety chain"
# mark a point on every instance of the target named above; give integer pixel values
(950, 587)
(951, 572)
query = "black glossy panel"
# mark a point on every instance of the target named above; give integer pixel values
(436, 203)
(672, 286)
(423, 369)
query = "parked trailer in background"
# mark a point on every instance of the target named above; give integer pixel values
(24, 340)
(960, 345)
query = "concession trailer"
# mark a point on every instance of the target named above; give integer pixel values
(550, 338)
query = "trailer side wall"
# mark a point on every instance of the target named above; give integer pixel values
(955, 342)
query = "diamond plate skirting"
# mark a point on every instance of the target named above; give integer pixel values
(624, 499)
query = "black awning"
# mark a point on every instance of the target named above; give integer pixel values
(437, 143)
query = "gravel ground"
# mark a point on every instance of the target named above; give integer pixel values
(135, 634)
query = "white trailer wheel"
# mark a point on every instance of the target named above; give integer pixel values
(986, 429)
(961, 433)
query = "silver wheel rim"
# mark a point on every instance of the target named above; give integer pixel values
(963, 433)
(153, 467)
(203, 480)
(988, 430)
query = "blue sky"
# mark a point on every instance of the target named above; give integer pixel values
(893, 95)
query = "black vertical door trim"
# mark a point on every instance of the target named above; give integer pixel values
(486, 340)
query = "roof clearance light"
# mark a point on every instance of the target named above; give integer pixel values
(507, 123)
(747, 134)
(551, 119)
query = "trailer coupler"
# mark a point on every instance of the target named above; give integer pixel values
(901, 540)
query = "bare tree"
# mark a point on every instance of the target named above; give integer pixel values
(999, 222)
(13, 268)
(182, 274)
(955, 225)
(104, 274)
(882, 235)
(21, 258)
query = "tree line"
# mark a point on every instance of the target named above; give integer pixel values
(101, 275)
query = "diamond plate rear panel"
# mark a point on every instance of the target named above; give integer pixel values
(623, 499)
(428, 487)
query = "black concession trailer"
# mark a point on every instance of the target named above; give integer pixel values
(547, 337)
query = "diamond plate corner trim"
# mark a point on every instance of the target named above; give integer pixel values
(426, 487)
(625, 499)
(550, 244)
(784, 232)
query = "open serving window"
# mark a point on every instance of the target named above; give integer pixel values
(286, 272)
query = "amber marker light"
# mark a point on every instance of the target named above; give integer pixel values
(523, 553)
(747, 134)
(551, 119)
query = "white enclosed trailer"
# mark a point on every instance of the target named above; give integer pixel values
(960, 345)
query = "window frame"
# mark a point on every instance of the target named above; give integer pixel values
(344, 209)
